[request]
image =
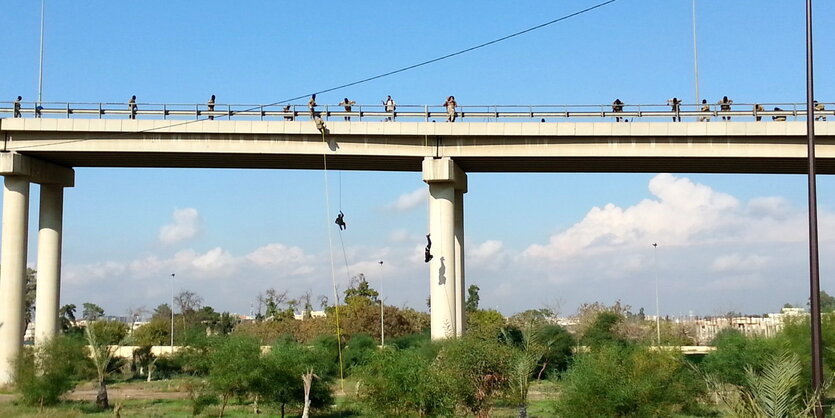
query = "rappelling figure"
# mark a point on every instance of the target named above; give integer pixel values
(426, 255)
(340, 220)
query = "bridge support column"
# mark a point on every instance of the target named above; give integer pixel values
(49, 262)
(12, 271)
(447, 185)
(18, 172)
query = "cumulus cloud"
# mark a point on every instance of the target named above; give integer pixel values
(738, 262)
(185, 224)
(409, 201)
(489, 255)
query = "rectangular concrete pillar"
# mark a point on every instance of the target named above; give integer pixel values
(447, 185)
(460, 292)
(13, 240)
(49, 262)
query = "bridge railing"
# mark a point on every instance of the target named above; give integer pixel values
(426, 113)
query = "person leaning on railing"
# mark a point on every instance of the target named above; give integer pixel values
(450, 108)
(617, 107)
(211, 106)
(705, 108)
(780, 118)
(819, 107)
(725, 106)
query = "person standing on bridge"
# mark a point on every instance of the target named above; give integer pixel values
(390, 108)
(132, 107)
(675, 103)
(311, 106)
(17, 106)
(211, 106)
(450, 105)
(757, 109)
(617, 107)
(347, 104)
(705, 108)
(288, 113)
(819, 107)
(725, 106)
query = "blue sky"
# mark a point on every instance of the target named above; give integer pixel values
(532, 239)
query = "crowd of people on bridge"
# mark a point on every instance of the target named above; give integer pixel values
(451, 105)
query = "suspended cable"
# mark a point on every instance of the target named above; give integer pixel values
(333, 268)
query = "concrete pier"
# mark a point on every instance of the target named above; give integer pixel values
(447, 185)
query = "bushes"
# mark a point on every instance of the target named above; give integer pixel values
(734, 352)
(617, 381)
(46, 372)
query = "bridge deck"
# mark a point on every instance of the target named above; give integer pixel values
(720, 147)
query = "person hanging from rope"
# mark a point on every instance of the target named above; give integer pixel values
(426, 255)
(340, 220)
(320, 124)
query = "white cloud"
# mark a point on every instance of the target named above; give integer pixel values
(489, 255)
(186, 224)
(737, 262)
(409, 201)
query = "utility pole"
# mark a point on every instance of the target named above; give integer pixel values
(814, 269)
(695, 56)
(172, 313)
(382, 322)
(657, 305)
(40, 65)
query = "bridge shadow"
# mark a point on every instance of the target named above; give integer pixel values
(331, 142)
(442, 272)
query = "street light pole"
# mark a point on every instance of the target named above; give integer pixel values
(172, 313)
(40, 65)
(695, 55)
(382, 322)
(814, 269)
(657, 305)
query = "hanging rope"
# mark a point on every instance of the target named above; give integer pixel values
(333, 269)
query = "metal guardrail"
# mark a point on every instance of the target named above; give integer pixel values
(426, 113)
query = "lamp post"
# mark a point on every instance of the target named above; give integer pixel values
(382, 322)
(657, 309)
(40, 64)
(172, 313)
(814, 269)
(695, 55)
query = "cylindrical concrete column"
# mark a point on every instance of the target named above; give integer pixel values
(49, 262)
(12, 271)
(460, 284)
(442, 267)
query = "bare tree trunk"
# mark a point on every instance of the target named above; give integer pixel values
(101, 396)
(223, 405)
(523, 411)
(307, 379)
(539, 375)
(282, 409)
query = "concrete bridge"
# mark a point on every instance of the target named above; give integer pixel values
(45, 151)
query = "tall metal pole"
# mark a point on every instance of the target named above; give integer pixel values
(40, 65)
(695, 55)
(382, 322)
(814, 270)
(657, 305)
(172, 312)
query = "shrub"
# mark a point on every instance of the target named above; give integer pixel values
(478, 369)
(46, 372)
(281, 375)
(400, 382)
(358, 351)
(616, 381)
(734, 352)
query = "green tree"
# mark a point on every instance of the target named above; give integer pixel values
(67, 316)
(777, 391)
(631, 381)
(101, 353)
(92, 312)
(360, 292)
(155, 332)
(734, 352)
(45, 372)
(358, 351)
(29, 297)
(827, 302)
(403, 382)
(485, 323)
(281, 376)
(559, 349)
(234, 367)
(471, 304)
(479, 369)
(603, 331)
(109, 332)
